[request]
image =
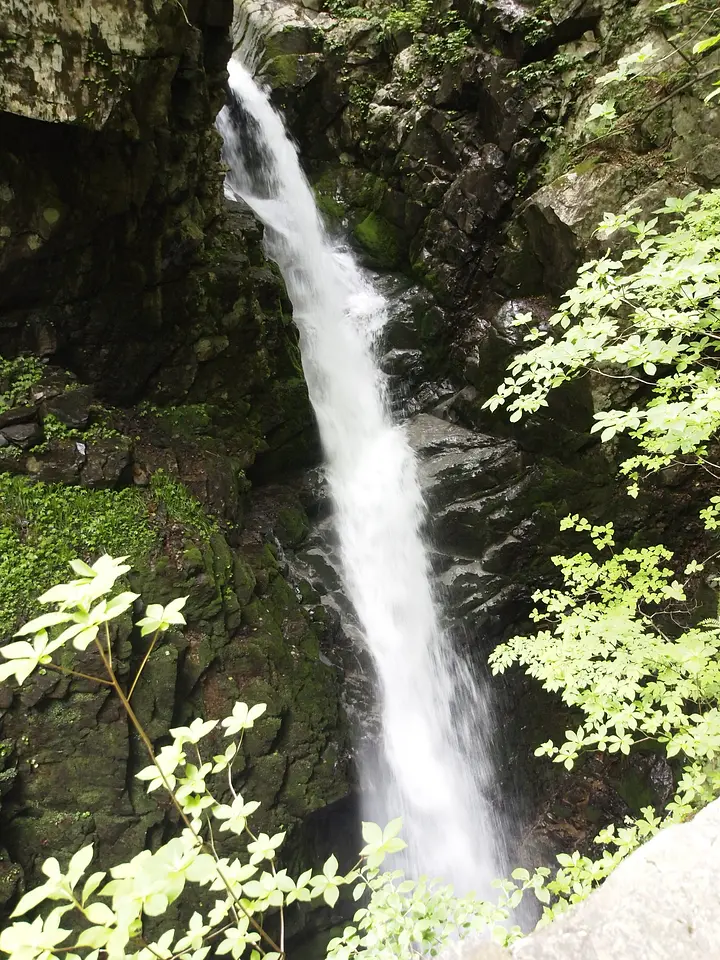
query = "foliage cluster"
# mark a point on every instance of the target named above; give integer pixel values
(648, 317)
(682, 69)
(440, 35)
(86, 917)
(16, 379)
(55, 429)
(617, 639)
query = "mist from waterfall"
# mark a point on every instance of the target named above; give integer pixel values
(432, 764)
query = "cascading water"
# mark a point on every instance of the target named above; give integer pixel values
(432, 766)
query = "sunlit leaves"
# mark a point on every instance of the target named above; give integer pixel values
(82, 610)
(649, 318)
(381, 843)
(600, 647)
(198, 729)
(264, 847)
(702, 46)
(25, 656)
(159, 619)
(235, 815)
(630, 65)
(242, 718)
(33, 941)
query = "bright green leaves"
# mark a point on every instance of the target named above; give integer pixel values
(601, 116)
(702, 46)
(264, 847)
(328, 883)
(24, 656)
(198, 729)
(630, 65)
(381, 843)
(415, 919)
(650, 318)
(82, 610)
(235, 814)
(94, 582)
(59, 886)
(158, 619)
(36, 940)
(242, 718)
(602, 648)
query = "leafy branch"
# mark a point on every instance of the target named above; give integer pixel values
(404, 918)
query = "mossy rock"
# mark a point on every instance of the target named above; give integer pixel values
(380, 240)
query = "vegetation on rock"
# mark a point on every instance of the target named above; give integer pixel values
(44, 526)
(440, 34)
(118, 917)
(619, 640)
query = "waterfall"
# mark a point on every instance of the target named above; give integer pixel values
(432, 766)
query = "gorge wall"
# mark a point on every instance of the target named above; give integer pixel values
(120, 263)
(454, 144)
(161, 409)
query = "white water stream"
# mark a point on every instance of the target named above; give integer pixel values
(432, 766)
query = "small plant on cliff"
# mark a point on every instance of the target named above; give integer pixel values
(656, 72)
(649, 317)
(609, 644)
(87, 915)
(617, 639)
(16, 379)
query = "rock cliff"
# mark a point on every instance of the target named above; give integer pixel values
(148, 367)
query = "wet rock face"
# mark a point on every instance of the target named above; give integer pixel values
(120, 262)
(421, 146)
(105, 216)
(67, 753)
(475, 166)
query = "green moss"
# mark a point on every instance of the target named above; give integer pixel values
(292, 527)
(181, 505)
(330, 207)
(189, 420)
(16, 379)
(380, 239)
(282, 70)
(244, 579)
(44, 526)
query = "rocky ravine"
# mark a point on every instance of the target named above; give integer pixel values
(456, 150)
(185, 411)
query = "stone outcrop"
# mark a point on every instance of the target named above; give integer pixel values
(662, 903)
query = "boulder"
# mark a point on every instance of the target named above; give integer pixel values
(662, 903)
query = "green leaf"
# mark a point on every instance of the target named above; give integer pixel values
(30, 900)
(100, 914)
(91, 885)
(372, 834)
(330, 895)
(79, 864)
(707, 44)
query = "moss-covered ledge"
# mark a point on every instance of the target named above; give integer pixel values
(166, 487)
